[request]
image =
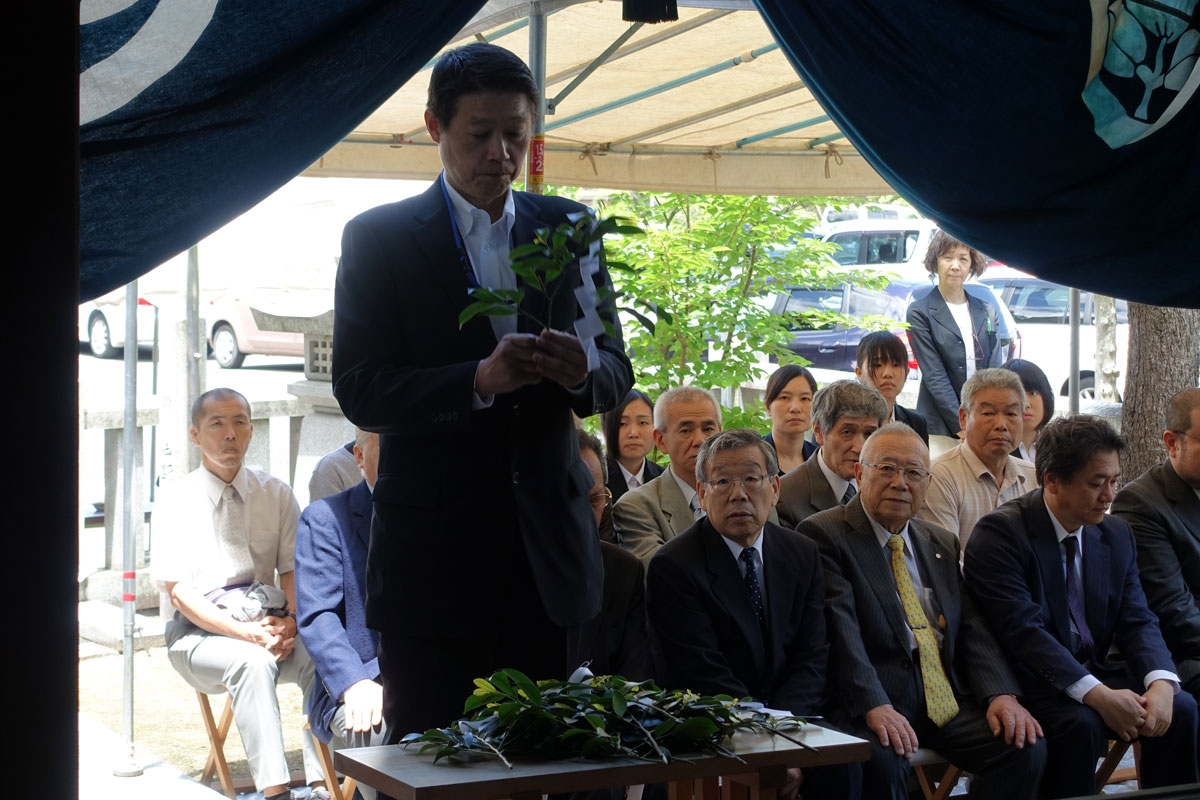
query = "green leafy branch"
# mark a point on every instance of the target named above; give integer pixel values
(605, 717)
(542, 262)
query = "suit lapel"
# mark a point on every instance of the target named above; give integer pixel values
(1095, 583)
(434, 238)
(1184, 500)
(876, 568)
(360, 507)
(781, 589)
(1050, 564)
(728, 586)
(940, 312)
(672, 502)
(822, 493)
(942, 571)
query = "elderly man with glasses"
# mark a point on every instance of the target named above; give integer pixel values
(736, 602)
(911, 659)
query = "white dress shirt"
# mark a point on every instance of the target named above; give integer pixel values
(836, 482)
(185, 522)
(689, 493)
(633, 480)
(737, 549)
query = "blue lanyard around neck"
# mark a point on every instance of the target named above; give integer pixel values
(463, 259)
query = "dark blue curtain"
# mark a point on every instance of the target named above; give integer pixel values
(192, 111)
(981, 114)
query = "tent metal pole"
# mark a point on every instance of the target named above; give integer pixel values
(833, 137)
(536, 161)
(710, 114)
(1073, 377)
(597, 62)
(195, 341)
(127, 766)
(758, 137)
(665, 87)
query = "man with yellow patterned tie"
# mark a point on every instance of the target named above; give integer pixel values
(912, 661)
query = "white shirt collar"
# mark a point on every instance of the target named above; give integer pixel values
(465, 213)
(737, 549)
(883, 534)
(641, 471)
(836, 482)
(689, 490)
(214, 487)
(1059, 531)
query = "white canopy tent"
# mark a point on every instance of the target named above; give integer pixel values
(705, 104)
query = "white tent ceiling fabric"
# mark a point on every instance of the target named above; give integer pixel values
(644, 119)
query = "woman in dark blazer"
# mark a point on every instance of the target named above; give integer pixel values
(882, 364)
(941, 343)
(789, 397)
(629, 437)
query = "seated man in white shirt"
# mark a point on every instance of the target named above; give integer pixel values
(979, 475)
(218, 529)
(844, 414)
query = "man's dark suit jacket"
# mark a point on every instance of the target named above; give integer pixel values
(704, 627)
(404, 369)
(1014, 568)
(616, 478)
(616, 641)
(938, 346)
(914, 420)
(1165, 516)
(803, 492)
(871, 656)
(331, 570)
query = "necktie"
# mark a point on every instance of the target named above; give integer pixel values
(939, 697)
(849, 495)
(231, 535)
(1075, 601)
(697, 510)
(752, 587)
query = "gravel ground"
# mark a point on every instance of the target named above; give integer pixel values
(166, 716)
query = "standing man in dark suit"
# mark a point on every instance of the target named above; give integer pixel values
(845, 413)
(912, 659)
(735, 601)
(480, 411)
(1163, 508)
(344, 705)
(1057, 579)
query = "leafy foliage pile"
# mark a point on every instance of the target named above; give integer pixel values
(606, 717)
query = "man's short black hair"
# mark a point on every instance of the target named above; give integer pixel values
(476, 68)
(1068, 444)
(220, 393)
(588, 441)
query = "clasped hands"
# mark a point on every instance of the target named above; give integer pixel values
(523, 359)
(1129, 714)
(277, 634)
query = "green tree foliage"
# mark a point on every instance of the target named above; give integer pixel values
(700, 286)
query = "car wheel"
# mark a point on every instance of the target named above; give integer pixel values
(1087, 388)
(99, 339)
(225, 347)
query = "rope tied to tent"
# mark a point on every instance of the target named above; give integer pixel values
(590, 151)
(831, 152)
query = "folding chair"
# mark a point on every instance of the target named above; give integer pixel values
(217, 731)
(338, 791)
(925, 760)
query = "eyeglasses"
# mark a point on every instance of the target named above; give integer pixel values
(1186, 435)
(751, 483)
(600, 499)
(890, 471)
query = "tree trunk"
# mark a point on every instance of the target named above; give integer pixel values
(1106, 348)
(1164, 358)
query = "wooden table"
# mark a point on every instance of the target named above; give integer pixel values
(405, 775)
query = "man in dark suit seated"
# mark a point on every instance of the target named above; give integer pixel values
(481, 410)
(1057, 579)
(1163, 508)
(616, 641)
(844, 414)
(736, 602)
(344, 705)
(912, 659)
